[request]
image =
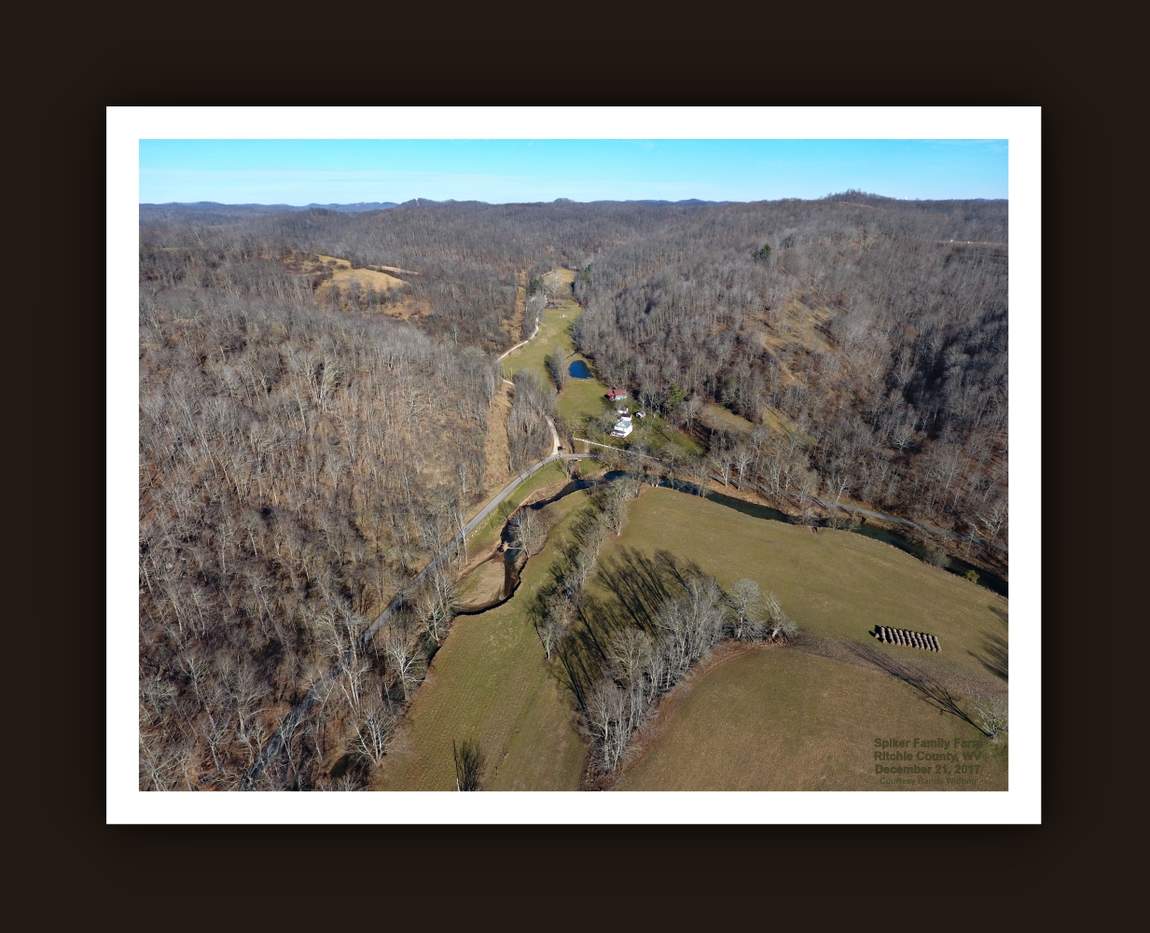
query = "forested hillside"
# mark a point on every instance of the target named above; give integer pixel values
(877, 329)
(296, 467)
(302, 454)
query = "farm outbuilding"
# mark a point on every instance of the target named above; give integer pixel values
(623, 427)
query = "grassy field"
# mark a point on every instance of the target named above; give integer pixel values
(663, 439)
(343, 275)
(482, 584)
(779, 719)
(799, 718)
(581, 398)
(486, 536)
(718, 418)
(836, 586)
(554, 333)
(490, 683)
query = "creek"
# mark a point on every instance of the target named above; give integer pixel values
(514, 559)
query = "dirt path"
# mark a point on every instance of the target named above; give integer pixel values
(522, 343)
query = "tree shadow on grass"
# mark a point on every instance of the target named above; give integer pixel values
(995, 655)
(927, 687)
(638, 586)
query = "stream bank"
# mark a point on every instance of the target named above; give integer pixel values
(514, 559)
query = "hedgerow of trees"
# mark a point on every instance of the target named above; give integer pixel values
(619, 665)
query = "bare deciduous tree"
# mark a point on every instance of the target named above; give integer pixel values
(747, 610)
(373, 728)
(468, 765)
(404, 659)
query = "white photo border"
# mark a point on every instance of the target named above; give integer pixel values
(1019, 126)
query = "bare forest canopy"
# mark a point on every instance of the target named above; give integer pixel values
(301, 459)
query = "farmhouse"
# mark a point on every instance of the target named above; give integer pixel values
(623, 427)
(614, 395)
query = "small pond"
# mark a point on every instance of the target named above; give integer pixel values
(579, 370)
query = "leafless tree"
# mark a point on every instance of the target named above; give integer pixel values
(552, 620)
(779, 626)
(373, 729)
(556, 369)
(747, 610)
(404, 659)
(435, 604)
(468, 765)
(606, 708)
(992, 717)
(529, 528)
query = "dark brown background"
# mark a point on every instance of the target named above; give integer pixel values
(77, 864)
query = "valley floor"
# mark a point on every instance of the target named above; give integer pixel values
(801, 717)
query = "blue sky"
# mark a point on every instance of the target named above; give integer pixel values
(306, 171)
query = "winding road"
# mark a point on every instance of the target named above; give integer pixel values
(522, 343)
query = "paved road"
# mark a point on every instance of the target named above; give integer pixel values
(474, 522)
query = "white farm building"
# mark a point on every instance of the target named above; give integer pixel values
(623, 427)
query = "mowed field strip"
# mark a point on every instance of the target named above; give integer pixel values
(774, 718)
(490, 683)
(581, 398)
(835, 584)
(379, 279)
(782, 717)
(367, 279)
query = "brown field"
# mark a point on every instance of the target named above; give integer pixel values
(496, 455)
(513, 327)
(835, 584)
(718, 418)
(801, 717)
(377, 278)
(490, 683)
(364, 278)
(483, 583)
(796, 326)
(779, 719)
